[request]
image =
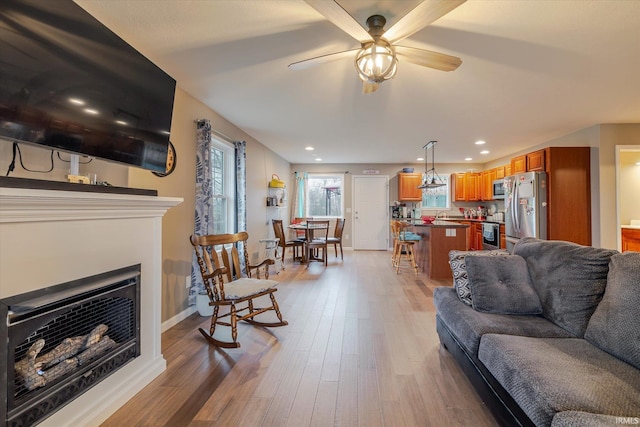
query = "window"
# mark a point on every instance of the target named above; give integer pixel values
(223, 183)
(324, 195)
(437, 198)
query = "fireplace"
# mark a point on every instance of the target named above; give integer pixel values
(64, 339)
(52, 237)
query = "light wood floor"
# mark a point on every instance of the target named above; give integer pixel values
(360, 350)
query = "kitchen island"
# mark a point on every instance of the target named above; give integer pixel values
(437, 239)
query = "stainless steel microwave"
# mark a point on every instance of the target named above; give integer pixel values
(498, 189)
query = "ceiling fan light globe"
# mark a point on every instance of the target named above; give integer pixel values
(376, 61)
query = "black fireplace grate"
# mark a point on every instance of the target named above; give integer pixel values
(65, 339)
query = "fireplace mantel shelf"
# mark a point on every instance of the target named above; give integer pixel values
(27, 205)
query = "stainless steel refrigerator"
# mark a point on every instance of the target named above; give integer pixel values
(525, 207)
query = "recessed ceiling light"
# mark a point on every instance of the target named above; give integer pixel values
(309, 148)
(480, 142)
(76, 101)
(318, 159)
(420, 159)
(484, 152)
(638, 163)
(91, 111)
(468, 159)
(121, 122)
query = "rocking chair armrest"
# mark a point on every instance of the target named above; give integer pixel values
(217, 272)
(264, 264)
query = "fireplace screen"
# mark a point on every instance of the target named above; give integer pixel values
(64, 339)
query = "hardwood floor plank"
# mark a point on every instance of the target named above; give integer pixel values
(324, 409)
(360, 350)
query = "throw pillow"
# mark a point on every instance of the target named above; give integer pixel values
(569, 278)
(615, 325)
(502, 285)
(459, 271)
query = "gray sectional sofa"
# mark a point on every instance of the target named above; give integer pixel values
(549, 335)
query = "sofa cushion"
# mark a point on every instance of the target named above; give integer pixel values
(549, 375)
(459, 271)
(569, 279)
(615, 325)
(469, 325)
(501, 285)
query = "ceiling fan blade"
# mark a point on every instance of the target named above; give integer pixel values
(312, 62)
(428, 58)
(368, 87)
(419, 17)
(340, 18)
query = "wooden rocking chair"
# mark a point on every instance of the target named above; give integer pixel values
(243, 284)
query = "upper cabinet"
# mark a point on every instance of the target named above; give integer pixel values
(408, 190)
(519, 164)
(535, 161)
(529, 162)
(465, 186)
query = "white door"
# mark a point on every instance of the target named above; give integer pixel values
(370, 212)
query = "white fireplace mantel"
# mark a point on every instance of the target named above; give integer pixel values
(48, 237)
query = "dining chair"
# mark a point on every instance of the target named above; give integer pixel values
(283, 243)
(337, 237)
(317, 233)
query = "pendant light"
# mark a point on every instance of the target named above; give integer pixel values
(431, 178)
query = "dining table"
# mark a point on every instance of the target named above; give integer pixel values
(309, 230)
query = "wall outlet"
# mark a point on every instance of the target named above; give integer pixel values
(187, 282)
(346, 236)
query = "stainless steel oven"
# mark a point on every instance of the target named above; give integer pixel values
(490, 235)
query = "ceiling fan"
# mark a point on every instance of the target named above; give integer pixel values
(376, 60)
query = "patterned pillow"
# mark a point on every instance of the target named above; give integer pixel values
(459, 270)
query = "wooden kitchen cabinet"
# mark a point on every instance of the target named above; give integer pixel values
(487, 178)
(472, 186)
(500, 172)
(507, 170)
(519, 164)
(457, 187)
(569, 194)
(408, 190)
(630, 239)
(535, 161)
(503, 238)
(477, 236)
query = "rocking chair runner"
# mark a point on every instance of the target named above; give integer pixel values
(240, 287)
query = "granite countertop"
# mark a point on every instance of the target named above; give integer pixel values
(441, 224)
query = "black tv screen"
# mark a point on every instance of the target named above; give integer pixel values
(67, 82)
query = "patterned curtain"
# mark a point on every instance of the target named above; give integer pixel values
(241, 185)
(241, 193)
(203, 219)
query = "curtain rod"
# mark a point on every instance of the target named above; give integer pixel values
(322, 172)
(218, 133)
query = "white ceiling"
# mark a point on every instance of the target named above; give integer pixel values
(532, 70)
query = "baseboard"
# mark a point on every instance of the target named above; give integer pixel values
(170, 323)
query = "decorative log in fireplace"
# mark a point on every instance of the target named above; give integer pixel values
(64, 339)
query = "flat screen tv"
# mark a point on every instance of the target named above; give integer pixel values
(69, 83)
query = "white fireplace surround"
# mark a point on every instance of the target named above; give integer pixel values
(49, 237)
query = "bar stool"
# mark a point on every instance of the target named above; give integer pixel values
(403, 243)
